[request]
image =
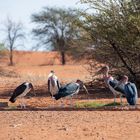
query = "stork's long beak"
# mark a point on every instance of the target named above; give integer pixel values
(33, 91)
(85, 89)
(98, 72)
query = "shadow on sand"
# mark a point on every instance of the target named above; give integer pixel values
(104, 108)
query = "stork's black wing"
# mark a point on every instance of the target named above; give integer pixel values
(66, 90)
(131, 93)
(116, 86)
(19, 90)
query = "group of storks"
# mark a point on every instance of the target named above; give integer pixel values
(122, 88)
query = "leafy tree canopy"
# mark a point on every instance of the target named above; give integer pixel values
(114, 27)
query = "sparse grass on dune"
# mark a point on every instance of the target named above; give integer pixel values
(95, 104)
(11, 108)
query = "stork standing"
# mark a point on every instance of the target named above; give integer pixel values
(113, 84)
(122, 87)
(130, 90)
(53, 83)
(69, 90)
(20, 92)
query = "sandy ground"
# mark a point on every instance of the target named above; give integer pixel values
(40, 122)
(69, 125)
(64, 123)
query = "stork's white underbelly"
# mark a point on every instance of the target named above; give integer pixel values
(53, 84)
(54, 90)
(24, 93)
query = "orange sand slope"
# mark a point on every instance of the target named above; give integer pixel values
(35, 66)
(37, 58)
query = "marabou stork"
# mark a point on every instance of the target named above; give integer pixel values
(130, 91)
(20, 92)
(53, 83)
(122, 87)
(69, 90)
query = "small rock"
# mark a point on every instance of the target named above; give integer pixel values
(41, 116)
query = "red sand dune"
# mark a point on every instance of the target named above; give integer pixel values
(37, 58)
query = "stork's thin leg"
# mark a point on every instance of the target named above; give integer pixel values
(62, 104)
(22, 104)
(71, 101)
(114, 99)
(76, 96)
(53, 102)
(121, 99)
(53, 98)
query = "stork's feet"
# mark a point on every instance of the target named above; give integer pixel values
(53, 97)
(71, 105)
(62, 105)
(22, 106)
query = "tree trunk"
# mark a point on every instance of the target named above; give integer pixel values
(63, 59)
(11, 57)
(123, 61)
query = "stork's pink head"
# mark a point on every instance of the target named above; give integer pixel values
(103, 70)
(79, 82)
(82, 85)
(52, 72)
(124, 79)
